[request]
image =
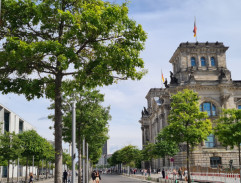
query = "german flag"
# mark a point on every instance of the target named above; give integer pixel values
(163, 80)
(195, 28)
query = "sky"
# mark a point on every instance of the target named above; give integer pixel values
(167, 24)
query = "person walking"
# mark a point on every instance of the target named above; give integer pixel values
(93, 176)
(163, 173)
(185, 175)
(97, 177)
(65, 175)
(69, 176)
(180, 173)
(30, 177)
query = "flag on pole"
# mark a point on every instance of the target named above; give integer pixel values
(163, 80)
(195, 28)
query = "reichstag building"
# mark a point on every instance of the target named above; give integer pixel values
(202, 68)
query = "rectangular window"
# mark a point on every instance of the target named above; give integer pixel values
(6, 121)
(210, 141)
(20, 126)
(215, 161)
(5, 172)
(207, 108)
(239, 106)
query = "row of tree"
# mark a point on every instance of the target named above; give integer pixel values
(91, 124)
(187, 127)
(25, 146)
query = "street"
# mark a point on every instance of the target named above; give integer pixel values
(117, 178)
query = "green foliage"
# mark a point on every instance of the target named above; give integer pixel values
(91, 122)
(164, 146)
(149, 152)
(67, 160)
(228, 128)
(128, 155)
(186, 122)
(114, 160)
(96, 39)
(10, 148)
(32, 144)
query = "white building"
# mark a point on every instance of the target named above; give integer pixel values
(11, 122)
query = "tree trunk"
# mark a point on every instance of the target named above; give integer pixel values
(58, 129)
(79, 159)
(8, 172)
(46, 169)
(188, 168)
(26, 173)
(38, 172)
(12, 171)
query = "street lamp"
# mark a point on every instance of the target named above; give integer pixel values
(73, 139)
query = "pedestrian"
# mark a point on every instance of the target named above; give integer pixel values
(69, 176)
(98, 178)
(163, 173)
(185, 175)
(30, 177)
(65, 175)
(180, 173)
(93, 176)
(174, 174)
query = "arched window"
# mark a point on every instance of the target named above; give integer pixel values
(210, 141)
(213, 61)
(203, 61)
(193, 61)
(209, 108)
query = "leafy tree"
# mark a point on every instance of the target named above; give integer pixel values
(54, 46)
(114, 160)
(164, 146)
(32, 145)
(148, 153)
(67, 160)
(228, 129)
(187, 124)
(91, 124)
(128, 155)
(9, 148)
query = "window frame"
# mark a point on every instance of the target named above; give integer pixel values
(208, 143)
(212, 107)
(193, 62)
(215, 161)
(213, 61)
(203, 61)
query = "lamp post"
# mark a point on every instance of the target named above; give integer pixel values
(83, 161)
(73, 139)
(87, 162)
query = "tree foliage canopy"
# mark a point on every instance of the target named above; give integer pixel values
(186, 122)
(93, 41)
(228, 128)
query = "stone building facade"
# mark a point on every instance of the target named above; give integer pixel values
(202, 68)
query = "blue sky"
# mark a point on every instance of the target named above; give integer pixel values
(167, 23)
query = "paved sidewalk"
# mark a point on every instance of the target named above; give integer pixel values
(52, 181)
